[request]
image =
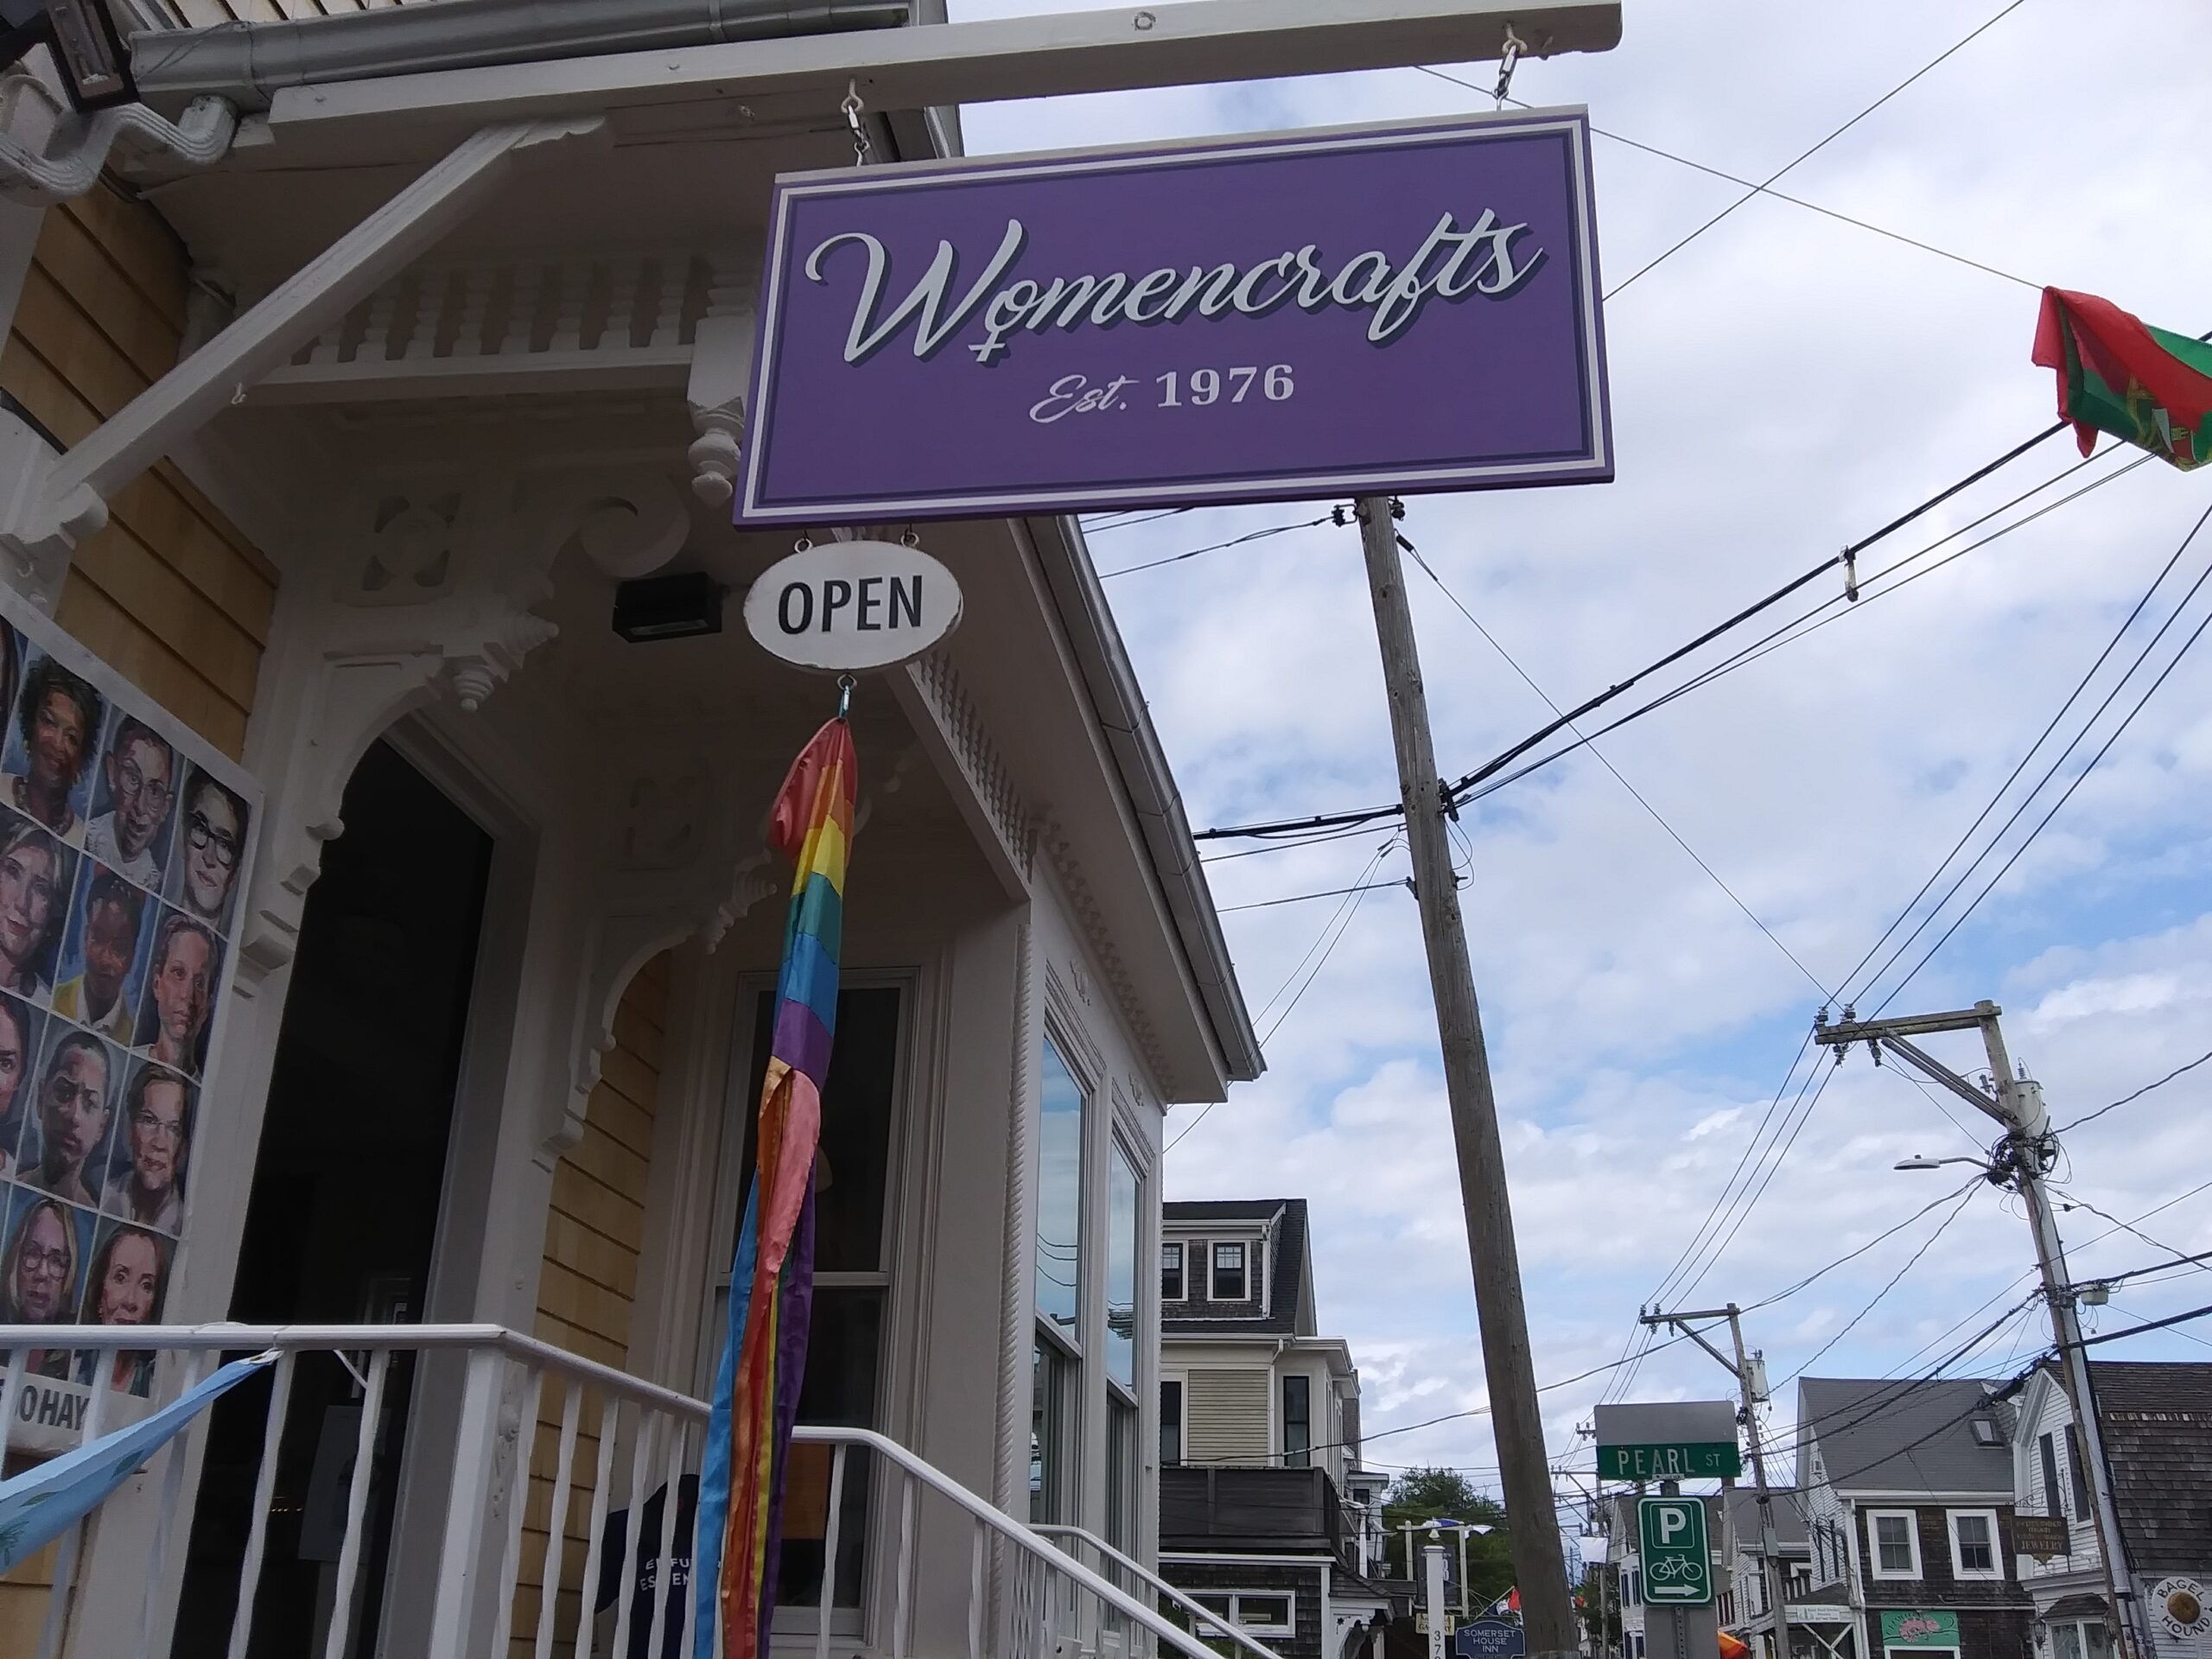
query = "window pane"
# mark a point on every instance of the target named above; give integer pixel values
(1264, 1612)
(1060, 1193)
(1051, 1450)
(1297, 1420)
(2066, 1641)
(1171, 1272)
(1229, 1272)
(1120, 1474)
(1977, 1552)
(2078, 1471)
(843, 1337)
(1171, 1422)
(1122, 1271)
(2052, 1503)
(2093, 1640)
(1895, 1542)
(856, 1156)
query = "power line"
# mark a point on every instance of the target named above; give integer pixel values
(1807, 154)
(2042, 737)
(2148, 1324)
(1757, 189)
(2051, 771)
(1966, 1197)
(1675, 835)
(2186, 1336)
(2106, 748)
(1888, 1233)
(1213, 547)
(2076, 1202)
(1301, 898)
(2138, 1095)
(1774, 1168)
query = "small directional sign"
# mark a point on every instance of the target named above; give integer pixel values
(1677, 1558)
(1675, 1461)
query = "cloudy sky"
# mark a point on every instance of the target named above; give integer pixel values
(1785, 384)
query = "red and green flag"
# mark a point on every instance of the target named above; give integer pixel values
(2117, 374)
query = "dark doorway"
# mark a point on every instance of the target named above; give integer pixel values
(344, 1210)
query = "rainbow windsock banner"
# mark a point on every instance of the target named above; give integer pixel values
(772, 1280)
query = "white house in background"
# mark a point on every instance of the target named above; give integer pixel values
(512, 925)
(2157, 1420)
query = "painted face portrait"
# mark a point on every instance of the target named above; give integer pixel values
(156, 1135)
(42, 1265)
(183, 990)
(142, 782)
(74, 1108)
(14, 1056)
(30, 890)
(215, 841)
(126, 1288)
(110, 945)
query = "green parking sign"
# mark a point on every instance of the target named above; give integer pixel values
(1677, 1558)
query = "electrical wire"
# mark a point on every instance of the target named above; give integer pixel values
(2148, 1324)
(1301, 898)
(1926, 1244)
(1760, 189)
(1675, 835)
(2090, 1117)
(2074, 1201)
(2186, 1336)
(2079, 778)
(1807, 154)
(1214, 547)
(1888, 1233)
(2051, 771)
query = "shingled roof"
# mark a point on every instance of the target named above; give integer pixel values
(1287, 1264)
(2158, 1425)
(1887, 1436)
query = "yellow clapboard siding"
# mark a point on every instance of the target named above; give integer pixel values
(141, 245)
(594, 1229)
(169, 593)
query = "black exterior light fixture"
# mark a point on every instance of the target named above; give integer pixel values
(675, 606)
(88, 48)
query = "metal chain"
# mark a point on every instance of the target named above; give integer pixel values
(851, 107)
(1515, 46)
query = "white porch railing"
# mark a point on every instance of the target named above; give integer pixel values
(498, 1421)
(1142, 1581)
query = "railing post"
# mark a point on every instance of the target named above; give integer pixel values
(465, 1506)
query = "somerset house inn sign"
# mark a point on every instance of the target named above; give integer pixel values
(1348, 312)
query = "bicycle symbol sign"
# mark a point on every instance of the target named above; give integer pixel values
(1677, 1557)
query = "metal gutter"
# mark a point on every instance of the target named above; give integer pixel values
(249, 63)
(1143, 764)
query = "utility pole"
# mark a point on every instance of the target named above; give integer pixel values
(2023, 1155)
(1750, 1386)
(1538, 1563)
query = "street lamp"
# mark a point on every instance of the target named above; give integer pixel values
(1937, 1163)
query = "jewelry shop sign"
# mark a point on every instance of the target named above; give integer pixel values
(1376, 309)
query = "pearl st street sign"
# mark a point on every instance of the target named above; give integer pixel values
(1677, 1557)
(1680, 1460)
(1318, 315)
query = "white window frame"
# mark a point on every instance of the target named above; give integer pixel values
(1911, 1519)
(1182, 1417)
(1995, 1570)
(1182, 1270)
(1234, 1613)
(1243, 1249)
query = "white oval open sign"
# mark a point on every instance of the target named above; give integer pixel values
(846, 606)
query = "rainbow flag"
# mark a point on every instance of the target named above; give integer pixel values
(772, 1280)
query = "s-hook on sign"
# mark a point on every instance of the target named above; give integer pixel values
(1353, 311)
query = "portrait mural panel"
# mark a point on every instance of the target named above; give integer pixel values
(124, 845)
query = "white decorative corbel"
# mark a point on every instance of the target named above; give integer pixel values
(722, 370)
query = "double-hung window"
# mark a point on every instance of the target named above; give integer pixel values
(1056, 1386)
(1893, 1543)
(1171, 1272)
(1297, 1422)
(1262, 1612)
(1229, 1277)
(1973, 1544)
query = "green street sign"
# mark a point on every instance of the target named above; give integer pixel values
(1674, 1460)
(1677, 1558)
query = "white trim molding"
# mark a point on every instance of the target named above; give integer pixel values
(1874, 1518)
(1995, 1570)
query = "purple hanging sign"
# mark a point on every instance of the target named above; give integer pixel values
(1362, 310)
